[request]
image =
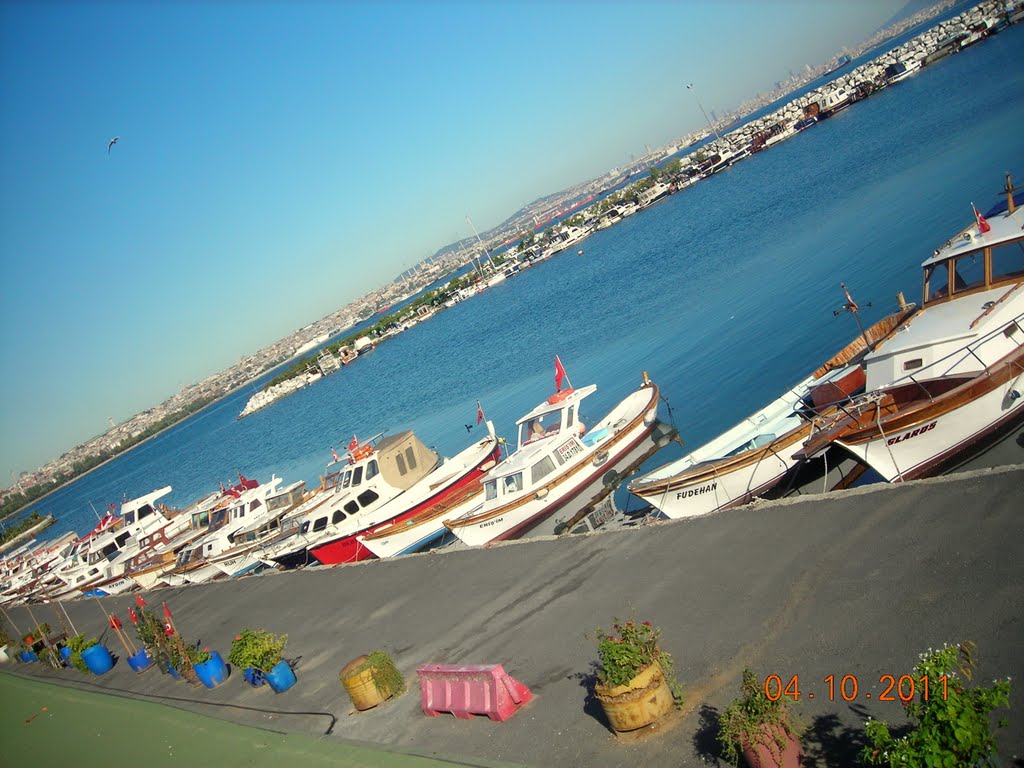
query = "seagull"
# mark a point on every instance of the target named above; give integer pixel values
(111, 143)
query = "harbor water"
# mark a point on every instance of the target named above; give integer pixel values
(723, 292)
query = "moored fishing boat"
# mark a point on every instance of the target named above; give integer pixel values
(754, 457)
(390, 503)
(951, 382)
(557, 462)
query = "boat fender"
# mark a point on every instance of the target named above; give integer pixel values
(560, 396)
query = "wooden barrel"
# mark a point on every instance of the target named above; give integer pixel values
(359, 685)
(644, 700)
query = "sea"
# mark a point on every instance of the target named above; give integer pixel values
(725, 294)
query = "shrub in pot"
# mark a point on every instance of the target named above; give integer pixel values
(261, 655)
(758, 728)
(371, 679)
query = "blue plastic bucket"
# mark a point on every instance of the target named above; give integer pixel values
(213, 672)
(140, 662)
(281, 677)
(254, 677)
(172, 672)
(98, 659)
(65, 653)
(28, 656)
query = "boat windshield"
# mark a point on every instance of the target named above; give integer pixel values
(1008, 260)
(537, 428)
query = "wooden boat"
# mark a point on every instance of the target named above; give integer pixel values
(754, 457)
(392, 499)
(558, 466)
(950, 383)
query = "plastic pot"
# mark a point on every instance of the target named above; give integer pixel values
(253, 677)
(140, 662)
(98, 659)
(281, 677)
(212, 672)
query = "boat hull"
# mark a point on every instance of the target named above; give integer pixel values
(582, 484)
(349, 549)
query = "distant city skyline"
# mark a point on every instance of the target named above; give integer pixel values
(275, 162)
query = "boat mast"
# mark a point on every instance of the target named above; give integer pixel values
(479, 241)
(851, 307)
(1009, 189)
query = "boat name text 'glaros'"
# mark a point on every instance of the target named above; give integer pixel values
(914, 433)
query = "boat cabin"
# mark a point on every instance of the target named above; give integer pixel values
(137, 510)
(972, 297)
(559, 414)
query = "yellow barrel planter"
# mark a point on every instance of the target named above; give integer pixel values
(644, 700)
(369, 680)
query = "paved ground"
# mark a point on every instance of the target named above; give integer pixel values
(855, 583)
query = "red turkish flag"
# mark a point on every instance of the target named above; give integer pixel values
(479, 412)
(983, 226)
(167, 612)
(353, 443)
(115, 623)
(132, 616)
(139, 601)
(559, 374)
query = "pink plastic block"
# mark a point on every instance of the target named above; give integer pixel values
(470, 689)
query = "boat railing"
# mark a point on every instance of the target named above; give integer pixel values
(852, 406)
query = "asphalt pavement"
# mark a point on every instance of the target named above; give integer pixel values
(855, 583)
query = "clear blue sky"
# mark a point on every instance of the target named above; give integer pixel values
(278, 160)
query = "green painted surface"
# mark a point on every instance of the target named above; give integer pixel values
(49, 725)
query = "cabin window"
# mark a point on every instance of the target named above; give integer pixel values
(1008, 260)
(490, 490)
(357, 476)
(320, 524)
(123, 538)
(146, 511)
(401, 464)
(910, 365)
(366, 498)
(513, 483)
(410, 457)
(371, 470)
(347, 479)
(129, 519)
(969, 272)
(305, 527)
(256, 504)
(936, 282)
(351, 507)
(231, 538)
(569, 416)
(337, 517)
(542, 468)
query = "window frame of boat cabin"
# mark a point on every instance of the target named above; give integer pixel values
(991, 279)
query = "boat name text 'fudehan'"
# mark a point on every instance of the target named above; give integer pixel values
(696, 491)
(908, 435)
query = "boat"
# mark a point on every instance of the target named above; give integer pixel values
(558, 464)
(754, 457)
(835, 101)
(900, 70)
(949, 384)
(394, 490)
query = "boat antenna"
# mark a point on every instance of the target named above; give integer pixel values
(1009, 189)
(94, 511)
(852, 307)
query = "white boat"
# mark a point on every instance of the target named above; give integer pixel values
(901, 70)
(950, 383)
(557, 464)
(754, 457)
(389, 498)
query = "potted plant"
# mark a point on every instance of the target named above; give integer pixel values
(261, 655)
(5, 641)
(636, 683)
(951, 722)
(758, 728)
(87, 655)
(371, 679)
(208, 665)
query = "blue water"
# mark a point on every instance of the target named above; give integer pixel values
(724, 293)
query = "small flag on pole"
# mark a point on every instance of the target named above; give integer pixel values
(983, 226)
(167, 612)
(334, 453)
(559, 374)
(353, 443)
(139, 601)
(132, 616)
(115, 623)
(479, 412)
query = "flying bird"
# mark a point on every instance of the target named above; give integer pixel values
(111, 143)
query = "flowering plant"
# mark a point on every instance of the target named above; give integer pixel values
(743, 722)
(630, 648)
(951, 721)
(257, 649)
(77, 644)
